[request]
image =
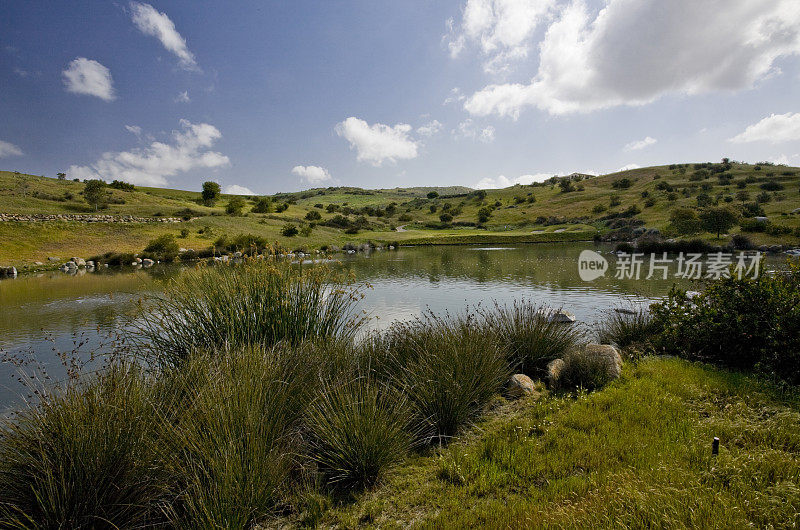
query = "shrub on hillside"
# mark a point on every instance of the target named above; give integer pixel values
(162, 248)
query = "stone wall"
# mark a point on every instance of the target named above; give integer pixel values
(28, 218)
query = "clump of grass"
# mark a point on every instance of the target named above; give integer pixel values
(358, 431)
(529, 336)
(256, 303)
(627, 327)
(448, 367)
(85, 457)
(236, 434)
(589, 367)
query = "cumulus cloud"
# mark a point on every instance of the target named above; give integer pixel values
(134, 129)
(85, 76)
(640, 144)
(429, 129)
(150, 166)
(183, 97)
(628, 167)
(9, 149)
(500, 29)
(235, 189)
(776, 128)
(632, 52)
(501, 181)
(158, 25)
(378, 143)
(468, 129)
(312, 174)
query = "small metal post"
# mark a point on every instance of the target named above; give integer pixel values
(715, 446)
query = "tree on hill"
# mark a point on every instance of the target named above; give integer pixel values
(235, 206)
(432, 195)
(263, 205)
(684, 221)
(718, 219)
(61, 176)
(95, 192)
(211, 191)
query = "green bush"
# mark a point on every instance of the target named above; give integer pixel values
(235, 206)
(289, 230)
(162, 248)
(85, 457)
(721, 325)
(357, 431)
(262, 205)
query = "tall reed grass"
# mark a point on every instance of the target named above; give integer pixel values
(626, 327)
(84, 458)
(259, 303)
(529, 335)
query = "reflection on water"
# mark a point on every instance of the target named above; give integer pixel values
(40, 313)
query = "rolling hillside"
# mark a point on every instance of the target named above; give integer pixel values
(573, 207)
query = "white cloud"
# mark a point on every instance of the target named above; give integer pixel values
(501, 29)
(183, 97)
(640, 144)
(85, 76)
(158, 25)
(627, 168)
(378, 143)
(134, 129)
(776, 128)
(312, 174)
(9, 149)
(455, 96)
(235, 189)
(429, 129)
(501, 181)
(150, 166)
(632, 52)
(468, 129)
(786, 160)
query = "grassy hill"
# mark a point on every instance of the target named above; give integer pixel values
(576, 208)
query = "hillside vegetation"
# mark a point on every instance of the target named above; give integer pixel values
(575, 207)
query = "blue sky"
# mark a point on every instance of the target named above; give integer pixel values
(280, 96)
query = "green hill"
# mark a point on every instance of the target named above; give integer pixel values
(566, 208)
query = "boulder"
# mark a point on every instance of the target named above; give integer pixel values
(558, 315)
(90, 264)
(554, 369)
(38, 263)
(52, 258)
(80, 262)
(520, 385)
(606, 355)
(8, 272)
(71, 265)
(147, 262)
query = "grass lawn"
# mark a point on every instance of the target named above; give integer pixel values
(635, 454)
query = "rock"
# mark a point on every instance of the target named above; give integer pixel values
(90, 264)
(793, 252)
(237, 254)
(558, 315)
(762, 219)
(554, 369)
(147, 262)
(520, 385)
(138, 261)
(80, 262)
(606, 355)
(38, 263)
(134, 263)
(391, 247)
(8, 272)
(51, 258)
(71, 265)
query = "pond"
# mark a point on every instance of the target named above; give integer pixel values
(56, 312)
